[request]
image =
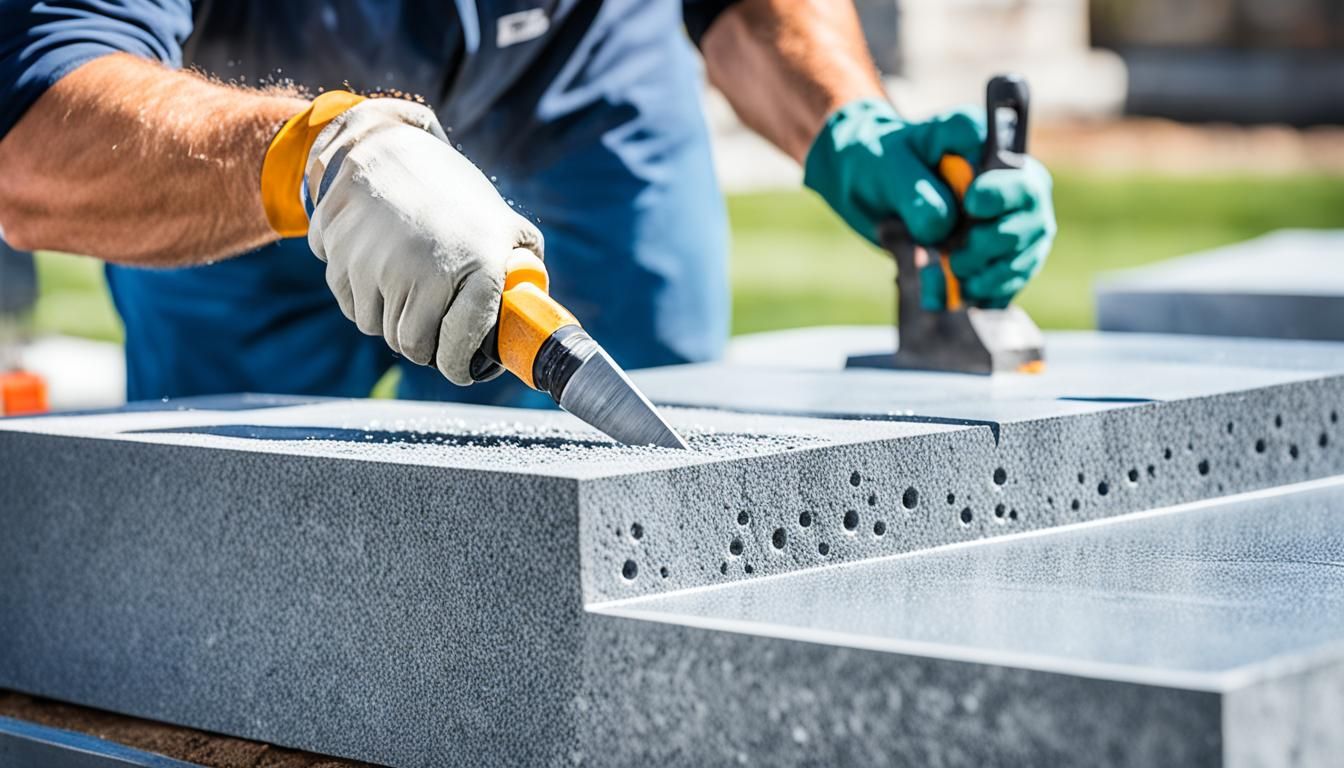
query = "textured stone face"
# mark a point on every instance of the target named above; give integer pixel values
(425, 584)
(1117, 424)
(1285, 285)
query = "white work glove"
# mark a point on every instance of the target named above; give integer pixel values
(414, 236)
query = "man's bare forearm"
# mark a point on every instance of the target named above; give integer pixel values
(785, 65)
(132, 162)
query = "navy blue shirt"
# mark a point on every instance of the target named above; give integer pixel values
(586, 113)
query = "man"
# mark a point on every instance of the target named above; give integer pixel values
(576, 119)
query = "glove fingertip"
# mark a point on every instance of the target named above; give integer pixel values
(984, 198)
(966, 125)
(929, 216)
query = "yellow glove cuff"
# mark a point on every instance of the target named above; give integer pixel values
(286, 162)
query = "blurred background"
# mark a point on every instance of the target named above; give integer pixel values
(1171, 126)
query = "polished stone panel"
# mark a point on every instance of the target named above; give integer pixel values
(1234, 605)
(1285, 285)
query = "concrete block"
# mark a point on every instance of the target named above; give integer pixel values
(425, 584)
(1285, 285)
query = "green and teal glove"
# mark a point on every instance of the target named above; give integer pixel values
(868, 164)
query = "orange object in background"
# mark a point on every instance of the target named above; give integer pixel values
(22, 393)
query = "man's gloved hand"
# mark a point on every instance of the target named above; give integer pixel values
(869, 165)
(414, 236)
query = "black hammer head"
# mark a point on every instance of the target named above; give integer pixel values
(967, 340)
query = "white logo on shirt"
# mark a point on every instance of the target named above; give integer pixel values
(522, 26)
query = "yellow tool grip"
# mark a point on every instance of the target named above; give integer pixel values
(958, 174)
(527, 314)
(286, 162)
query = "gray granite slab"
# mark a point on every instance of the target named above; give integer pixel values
(1288, 285)
(1212, 595)
(1226, 617)
(424, 584)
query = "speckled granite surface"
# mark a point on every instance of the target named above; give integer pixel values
(443, 585)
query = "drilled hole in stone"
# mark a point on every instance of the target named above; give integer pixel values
(1000, 511)
(1133, 475)
(1103, 488)
(1050, 501)
(966, 516)
(855, 478)
(779, 538)
(1229, 427)
(1278, 420)
(663, 572)
(1082, 478)
(743, 518)
(1012, 514)
(723, 568)
(630, 570)
(1152, 471)
(748, 568)
(879, 528)
(1334, 417)
(1260, 445)
(1166, 454)
(1292, 451)
(735, 547)
(804, 519)
(620, 531)
(1203, 466)
(851, 520)
(1000, 476)
(1190, 447)
(1323, 440)
(823, 549)
(1075, 505)
(951, 498)
(872, 499)
(910, 499)
(637, 531)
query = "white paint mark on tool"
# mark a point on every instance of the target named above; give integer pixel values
(522, 26)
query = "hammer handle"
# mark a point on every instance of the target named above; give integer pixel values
(958, 174)
(1005, 147)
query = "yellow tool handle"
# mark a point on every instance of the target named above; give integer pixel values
(958, 174)
(528, 316)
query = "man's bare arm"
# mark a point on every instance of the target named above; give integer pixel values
(135, 163)
(785, 65)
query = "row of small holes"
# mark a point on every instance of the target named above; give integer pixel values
(910, 500)
(779, 539)
(630, 569)
(1203, 466)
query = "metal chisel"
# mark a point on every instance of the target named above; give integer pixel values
(542, 344)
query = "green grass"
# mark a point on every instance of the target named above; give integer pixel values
(73, 298)
(795, 264)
